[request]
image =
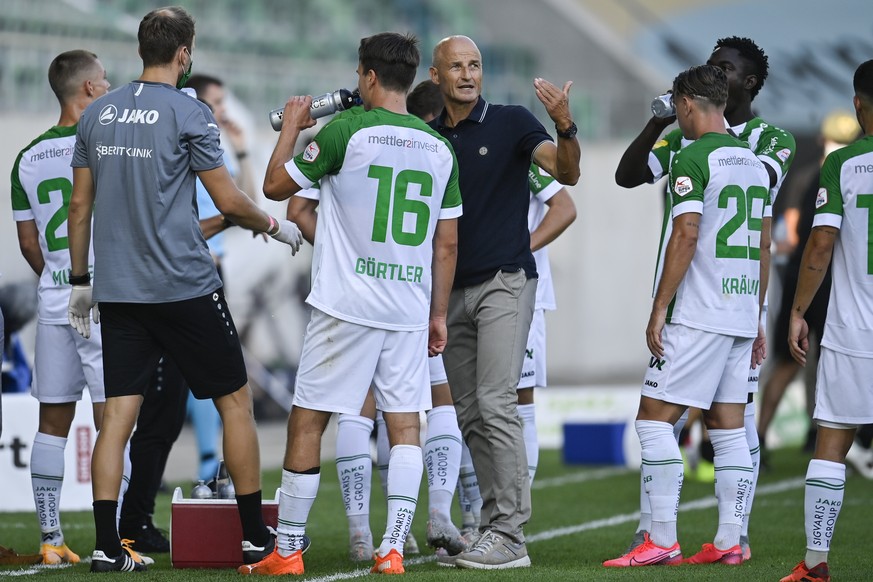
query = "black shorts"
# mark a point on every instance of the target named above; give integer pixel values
(198, 334)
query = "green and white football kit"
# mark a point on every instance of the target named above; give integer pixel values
(435, 366)
(845, 202)
(722, 180)
(42, 181)
(386, 179)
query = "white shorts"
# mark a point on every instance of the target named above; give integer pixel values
(65, 363)
(699, 368)
(533, 368)
(340, 359)
(844, 388)
(437, 371)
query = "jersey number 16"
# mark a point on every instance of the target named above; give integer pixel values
(402, 205)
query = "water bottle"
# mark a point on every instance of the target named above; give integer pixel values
(227, 490)
(338, 100)
(662, 106)
(224, 488)
(201, 491)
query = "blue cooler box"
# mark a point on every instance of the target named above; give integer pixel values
(594, 443)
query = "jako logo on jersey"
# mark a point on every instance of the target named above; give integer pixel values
(149, 116)
(821, 198)
(683, 185)
(108, 115)
(311, 152)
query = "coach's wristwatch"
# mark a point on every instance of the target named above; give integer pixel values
(569, 133)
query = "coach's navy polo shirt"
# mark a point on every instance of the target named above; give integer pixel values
(494, 147)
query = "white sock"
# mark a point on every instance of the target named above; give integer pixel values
(662, 473)
(527, 412)
(125, 482)
(296, 496)
(47, 479)
(755, 453)
(468, 484)
(645, 523)
(442, 459)
(354, 467)
(823, 498)
(405, 468)
(383, 451)
(733, 478)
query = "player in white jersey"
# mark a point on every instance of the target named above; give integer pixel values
(442, 449)
(841, 236)
(647, 159)
(65, 363)
(386, 247)
(704, 321)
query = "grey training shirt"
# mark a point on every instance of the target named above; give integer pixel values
(143, 143)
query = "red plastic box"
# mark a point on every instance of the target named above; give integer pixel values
(206, 533)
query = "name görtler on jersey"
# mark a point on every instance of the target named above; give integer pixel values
(392, 271)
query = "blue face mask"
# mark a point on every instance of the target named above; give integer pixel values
(187, 74)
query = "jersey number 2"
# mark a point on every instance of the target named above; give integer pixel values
(399, 186)
(43, 194)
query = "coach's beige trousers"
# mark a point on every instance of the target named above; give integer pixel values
(488, 326)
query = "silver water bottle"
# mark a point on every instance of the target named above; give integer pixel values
(201, 491)
(338, 100)
(663, 107)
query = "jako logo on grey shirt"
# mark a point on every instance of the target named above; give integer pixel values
(143, 143)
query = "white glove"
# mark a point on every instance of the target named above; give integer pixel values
(78, 311)
(289, 234)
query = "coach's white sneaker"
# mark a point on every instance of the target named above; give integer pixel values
(494, 551)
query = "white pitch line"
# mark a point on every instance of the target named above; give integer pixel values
(581, 477)
(34, 570)
(703, 503)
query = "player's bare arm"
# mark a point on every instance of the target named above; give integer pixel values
(278, 185)
(680, 250)
(241, 211)
(79, 220)
(561, 214)
(28, 243)
(301, 211)
(445, 254)
(813, 267)
(759, 348)
(633, 167)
